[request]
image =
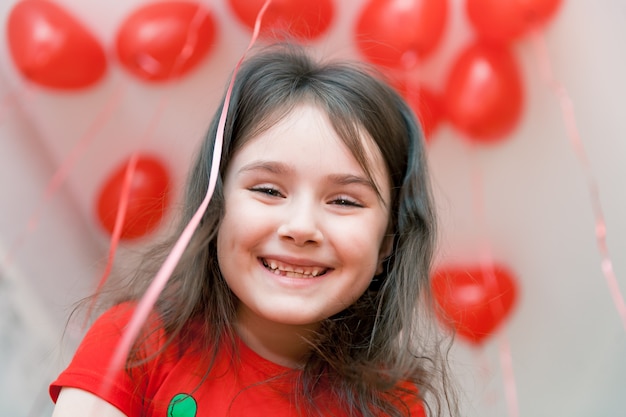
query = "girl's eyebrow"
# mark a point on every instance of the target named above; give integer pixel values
(281, 168)
(347, 179)
(268, 166)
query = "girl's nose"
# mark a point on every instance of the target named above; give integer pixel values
(300, 225)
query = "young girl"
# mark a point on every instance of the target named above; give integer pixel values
(305, 290)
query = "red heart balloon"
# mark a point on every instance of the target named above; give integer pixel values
(51, 48)
(296, 18)
(162, 41)
(147, 200)
(505, 21)
(427, 106)
(484, 95)
(397, 33)
(474, 301)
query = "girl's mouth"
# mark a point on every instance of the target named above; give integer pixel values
(293, 271)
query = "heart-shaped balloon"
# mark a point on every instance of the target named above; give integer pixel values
(305, 20)
(148, 197)
(506, 21)
(51, 48)
(426, 104)
(399, 33)
(165, 40)
(474, 300)
(484, 96)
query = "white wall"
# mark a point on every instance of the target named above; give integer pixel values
(566, 338)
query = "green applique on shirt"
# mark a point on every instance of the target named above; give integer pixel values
(182, 405)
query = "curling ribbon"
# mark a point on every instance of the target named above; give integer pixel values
(64, 169)
(569, 120)
(145, 305)
(185, 53)
(504, 346)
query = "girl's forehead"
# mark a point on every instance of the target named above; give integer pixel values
(306, 136)
(310, 121)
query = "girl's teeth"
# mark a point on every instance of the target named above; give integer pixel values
(291, 272)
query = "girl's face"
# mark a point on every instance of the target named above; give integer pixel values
(304, 228)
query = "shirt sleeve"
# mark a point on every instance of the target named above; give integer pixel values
(89, 369)
(411, 400)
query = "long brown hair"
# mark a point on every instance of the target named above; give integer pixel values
(387, 336)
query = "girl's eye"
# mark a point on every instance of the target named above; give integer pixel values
(344, 201)
(272, 192)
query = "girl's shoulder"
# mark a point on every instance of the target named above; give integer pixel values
(151, 341)
(118, 315)
(152, 361)
(113, 323)
(407, 397)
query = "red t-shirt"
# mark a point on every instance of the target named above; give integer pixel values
(176, 386)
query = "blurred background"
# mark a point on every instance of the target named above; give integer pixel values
(522, 104)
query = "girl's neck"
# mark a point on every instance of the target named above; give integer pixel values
(283, 344)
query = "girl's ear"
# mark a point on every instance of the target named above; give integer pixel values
(385, 251)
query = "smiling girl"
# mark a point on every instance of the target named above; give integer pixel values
(305, 290)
